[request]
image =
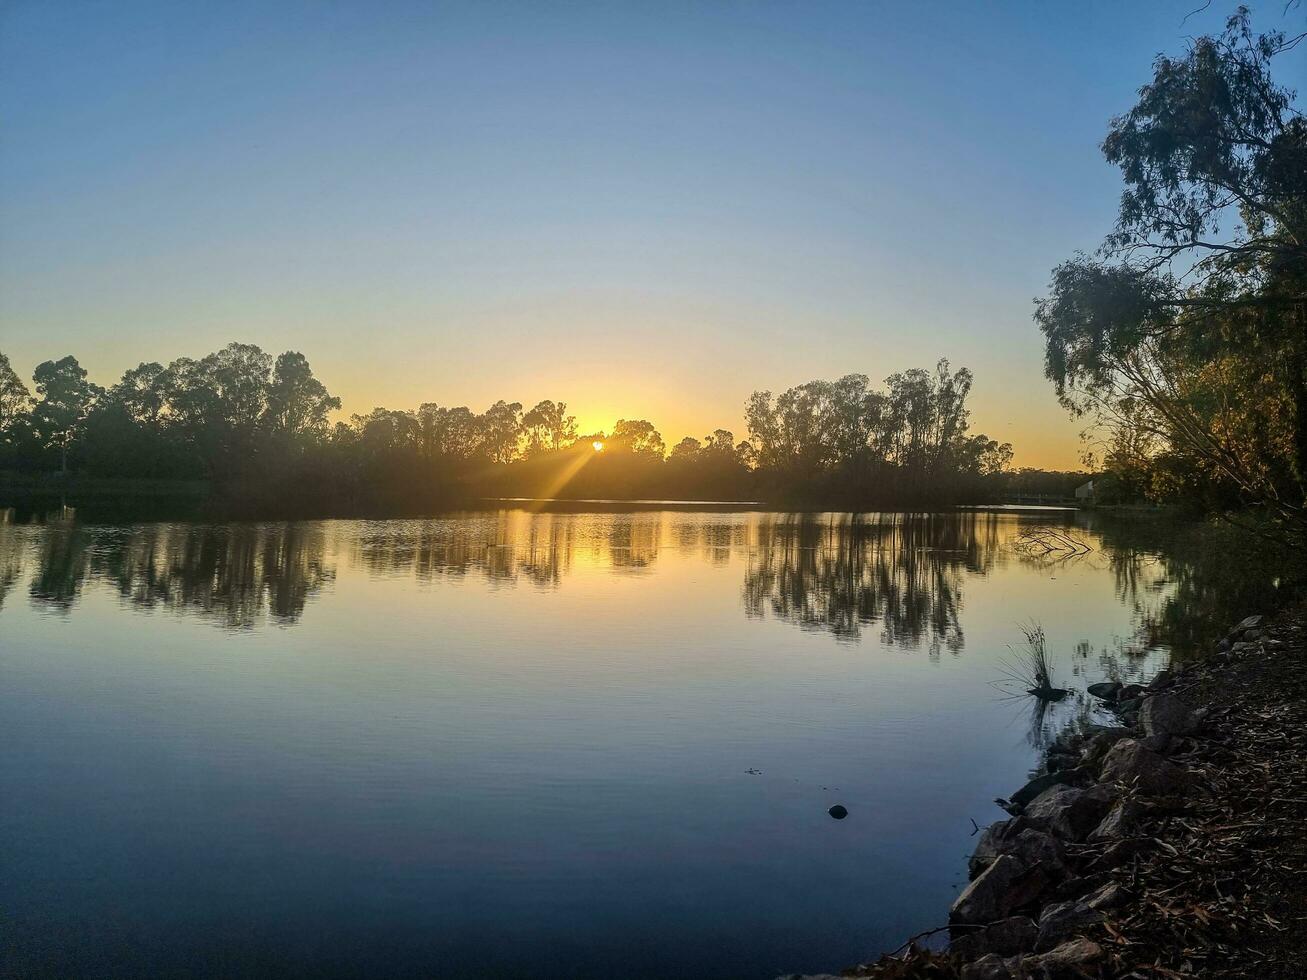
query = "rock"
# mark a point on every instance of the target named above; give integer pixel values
(1075, 889)
(1161, 680)
(1062, 761)
(1069, 812)
(1067, 960)
(1252, 636)
(1165, 714)
(1109, 895)
(1106, 690)
(1063, 777)
(1005, 886)
(1104, 740)
(988, 967)
(1022, 841)
(1063, 921)
(1251, 623)
(1120, 821)
(1130, 763)
(1006, 937)
(1122, 852)
(1156, 743)
(838, 812)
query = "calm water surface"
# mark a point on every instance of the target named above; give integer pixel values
(521, 744)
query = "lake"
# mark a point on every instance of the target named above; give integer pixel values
(529, 744)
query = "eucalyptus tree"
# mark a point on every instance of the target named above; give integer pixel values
(298, 405)
(1190, 324)
(65, 399)
(548, 428)
(14, 396)
(637, 436)
(499, 431)
(141, 393)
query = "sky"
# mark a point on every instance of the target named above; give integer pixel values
(645, 210)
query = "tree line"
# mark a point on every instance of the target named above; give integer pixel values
(262, 428)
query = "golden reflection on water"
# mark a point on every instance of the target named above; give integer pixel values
(905, 576)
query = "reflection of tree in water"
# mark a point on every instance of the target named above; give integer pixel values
(629, 545)
(11, 558)
(500, 550)
(232, 574)
(511, 545)
(837, 573)
(841, 573)
(61, 566)
(1187, 582)
(1190, 582)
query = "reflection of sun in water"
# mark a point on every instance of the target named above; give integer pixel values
(599, 446)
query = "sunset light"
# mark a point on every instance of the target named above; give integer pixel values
(944, 372)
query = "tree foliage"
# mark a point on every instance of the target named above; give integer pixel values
(1184, 340)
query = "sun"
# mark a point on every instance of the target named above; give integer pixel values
(598, 446)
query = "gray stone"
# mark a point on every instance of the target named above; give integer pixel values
(1069, 812)
(1130, 763)
(1027, 793)
(1022, 841)
(1107, 690)
(1063, 921)
(1120, 821)
(1104, 740)
(1007, 937)
(1165, 714)
(1109, 895)
(1251, 623)
(1004, 887)
(1067, 959)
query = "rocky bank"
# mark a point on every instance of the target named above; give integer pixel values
(1173, 844)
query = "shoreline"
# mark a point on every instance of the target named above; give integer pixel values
(1169, 845)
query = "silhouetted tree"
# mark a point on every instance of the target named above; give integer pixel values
(14, 396)
(297, 403)
(548, 428)
(637, 436)
(65, 400)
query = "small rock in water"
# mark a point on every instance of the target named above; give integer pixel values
(838, 812)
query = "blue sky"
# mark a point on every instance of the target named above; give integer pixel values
(647, 209)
